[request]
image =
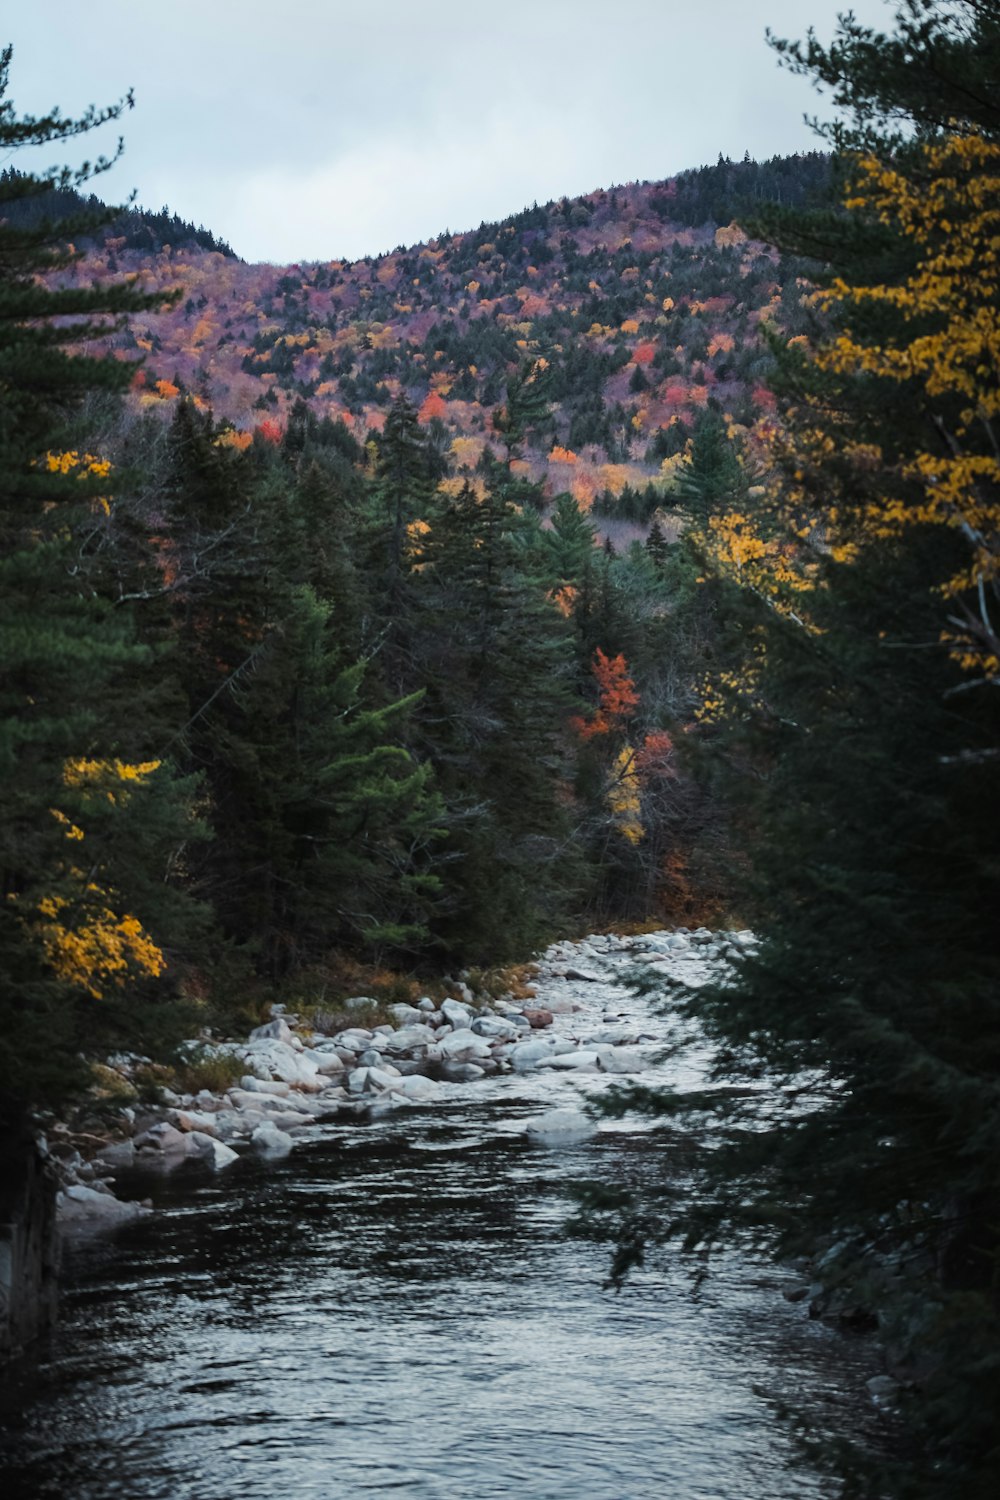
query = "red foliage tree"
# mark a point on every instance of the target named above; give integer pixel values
(617, 697)
(434, 406)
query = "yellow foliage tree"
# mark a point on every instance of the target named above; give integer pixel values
(624, 796)
(945, 203)
(87, 942)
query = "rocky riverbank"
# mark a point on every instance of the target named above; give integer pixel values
(290, 1077)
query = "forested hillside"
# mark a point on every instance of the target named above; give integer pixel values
(628, 310)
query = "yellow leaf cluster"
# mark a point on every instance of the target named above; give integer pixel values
(110, 779)
(946, 204)
(95, 949)
(623, 796)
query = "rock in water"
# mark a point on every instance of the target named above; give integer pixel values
(270, 1140)
(461, 1072)
(464, 1046)
(79, 1204)
(560, 1127)
(621, 1060)
(418, 1090)
(212, 1152)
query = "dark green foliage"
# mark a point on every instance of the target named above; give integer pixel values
(859, 766)
(878, 975)
(67, 212)
(937, 68)
(732, 190)
(714, 480)
(495, 656)
(526, 407)
(71, 666)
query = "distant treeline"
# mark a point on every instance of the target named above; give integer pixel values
(140, 228)
(737, 190)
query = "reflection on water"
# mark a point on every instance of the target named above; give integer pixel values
(395, 1309)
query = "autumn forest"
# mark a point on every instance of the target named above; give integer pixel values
(628, 563)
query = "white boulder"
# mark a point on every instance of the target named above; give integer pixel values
(569, 1061)
(464, 1046)
(621, 1060)
(212, 1152)
(86, 1206)
(271, 1141)
(416, 1088)
(409, 1038)
(458, 1014)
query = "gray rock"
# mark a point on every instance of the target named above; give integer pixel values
(164, 1138)
(426, 1005)
(370, 1080)
(276, 1030)
(328, 1063)
(582, 975)
(526, 1056)
(285, 1122)
(570, 1061)
(118, 1154)
(464, 1046)
(271, 1141)
(370, 1058)
(251, 1085)
(85, 1206)
(212, 1152)
(283, 1062)
(354, 1038)
(621, 1060)
(417, 1089)
(462, 1072)
(407, 1015)
(232, 1125)
(883, 1390)
(410, 1039)
(271, 1104)
(494, 1026)
(193, 1119)
(458, 1014)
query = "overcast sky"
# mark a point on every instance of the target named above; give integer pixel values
(314, 129)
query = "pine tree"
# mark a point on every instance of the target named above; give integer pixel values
(402, 501)
(496, 659)
(860, 754)
(526, 406)
(713, 480)
(79, 895)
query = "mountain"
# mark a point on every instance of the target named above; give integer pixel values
(632, 309)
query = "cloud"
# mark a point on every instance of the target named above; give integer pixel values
(320, 129)
(395, 188)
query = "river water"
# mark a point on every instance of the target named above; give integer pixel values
(395, 1309)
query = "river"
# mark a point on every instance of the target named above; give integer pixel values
(395, 1309)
